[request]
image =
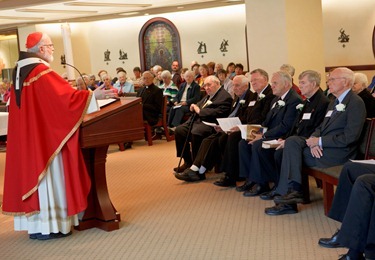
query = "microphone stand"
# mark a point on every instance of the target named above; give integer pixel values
(80, 74)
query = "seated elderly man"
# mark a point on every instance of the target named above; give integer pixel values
(216, 104)
(170, 90)
(83, 82)
(209, 151)
(122, 85)
(360, 88)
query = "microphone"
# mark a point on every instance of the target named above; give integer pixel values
(63, 62)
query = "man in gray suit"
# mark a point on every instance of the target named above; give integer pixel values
(333, 143)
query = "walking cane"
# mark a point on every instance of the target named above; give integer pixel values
(186, 140)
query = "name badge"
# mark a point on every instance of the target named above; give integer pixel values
(252, 103)
(329, 113)
(306, 116)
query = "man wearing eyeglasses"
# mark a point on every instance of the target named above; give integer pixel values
(333, 143)
(46, 182)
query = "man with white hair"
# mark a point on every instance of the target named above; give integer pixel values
(46, 182)
(360, 88)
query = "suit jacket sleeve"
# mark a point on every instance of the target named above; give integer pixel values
(281, 123)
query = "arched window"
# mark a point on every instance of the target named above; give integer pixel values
(159, 44)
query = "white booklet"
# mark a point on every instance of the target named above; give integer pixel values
(228, 123)
(104, 102)
(248, 131)
(371, 161)
(270, 144)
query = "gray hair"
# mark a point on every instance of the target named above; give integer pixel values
(286, 78)
(312, 76)
(35, 49)
(166, 74)
(361, 78)
(288, 68)
(243, 78)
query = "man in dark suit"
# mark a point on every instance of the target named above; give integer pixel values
(333, 143)
(256, 112)
(348, 176)
(279, 121)
(189, 93)
(209, 151)
(310, 115)
(152, 99)
(176, 77)
(360, 88)
(216, 104)
(358, 223)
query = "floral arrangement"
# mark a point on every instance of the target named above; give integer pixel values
(208, 102)
(340, 107)
(280, 103)
(300, 107)
(242, 102)
(261, 96)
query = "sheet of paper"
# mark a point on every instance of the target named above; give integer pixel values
(210, 124)
(372, 161)
(227, 123)
(104, 102)
(177, 106)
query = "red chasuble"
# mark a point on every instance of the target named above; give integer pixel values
(46, 123)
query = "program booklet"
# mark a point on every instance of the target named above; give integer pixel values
(248, 131)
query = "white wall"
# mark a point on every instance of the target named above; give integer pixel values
(91, 40)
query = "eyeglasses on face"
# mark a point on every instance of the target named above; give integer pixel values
(333, 79)
(49, 45)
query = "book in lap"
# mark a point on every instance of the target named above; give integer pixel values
(248, 131)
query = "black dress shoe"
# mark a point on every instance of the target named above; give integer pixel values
(347, 257)
(52, 236)
(246, 186)
(292, 197)
(34, 235)
(269, 195)
(281, 209)
(190, 176)
(331, 242)
(182, 168)
(256, 190)
(225, 182)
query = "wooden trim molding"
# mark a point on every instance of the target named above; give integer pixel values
(353, 67)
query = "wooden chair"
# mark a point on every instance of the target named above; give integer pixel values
(161, 123)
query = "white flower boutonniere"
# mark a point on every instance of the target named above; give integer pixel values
(280, 103)
(242, 102)
(208, 102)
(340, 107)
(261, 96)
(300, 107)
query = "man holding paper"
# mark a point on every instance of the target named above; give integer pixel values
(311, 114)
(216, 104)
(256, 112)
(209, 152)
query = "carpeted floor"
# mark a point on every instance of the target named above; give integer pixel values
(164, 218)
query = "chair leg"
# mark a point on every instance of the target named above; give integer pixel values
(148, 132)
(121, 147)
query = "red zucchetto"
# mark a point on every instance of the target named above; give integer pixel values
(33, 39)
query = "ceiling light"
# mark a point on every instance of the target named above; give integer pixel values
(106, 4)
(30, 10)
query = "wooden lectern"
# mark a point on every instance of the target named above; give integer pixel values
(118, 122)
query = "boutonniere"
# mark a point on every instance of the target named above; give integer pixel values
(340, 107)
(300, 107)
(242, 102)
(280, 103)
(261, 96)
(208, 102)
